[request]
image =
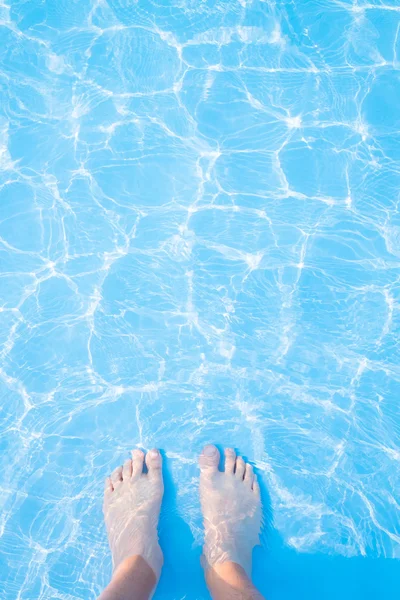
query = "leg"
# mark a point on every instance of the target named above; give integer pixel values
(229, 581)
(132, 502)
(132, 580)
(231, 507)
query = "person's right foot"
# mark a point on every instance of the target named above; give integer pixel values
(231, 507)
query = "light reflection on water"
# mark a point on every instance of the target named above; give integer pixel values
(199, 242)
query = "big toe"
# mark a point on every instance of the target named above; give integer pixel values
(209, 460)
(154, 464)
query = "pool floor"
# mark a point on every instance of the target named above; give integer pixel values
(200, 243)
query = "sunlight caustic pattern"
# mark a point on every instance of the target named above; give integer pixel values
(199, 242)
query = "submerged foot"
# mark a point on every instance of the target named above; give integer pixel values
(132, 502)
(231, 508)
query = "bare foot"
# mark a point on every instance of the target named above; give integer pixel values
(132, 502)
(231, 507)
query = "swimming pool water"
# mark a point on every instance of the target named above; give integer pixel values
(200, 242)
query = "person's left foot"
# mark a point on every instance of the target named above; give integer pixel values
(132, 502)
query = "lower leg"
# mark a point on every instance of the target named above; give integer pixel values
(229, 580)
(133, 579)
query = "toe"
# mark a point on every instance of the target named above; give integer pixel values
(240, 467)
(154, 464)
(209, 460)
(249, 475)
(256, 486)
(116, 477)
(230, 459)
(108, 486)
(127, 470)
(137, 462)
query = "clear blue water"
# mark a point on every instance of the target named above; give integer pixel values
(200, 242)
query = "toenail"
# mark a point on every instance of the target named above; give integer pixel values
(154, 453)
(209, 450)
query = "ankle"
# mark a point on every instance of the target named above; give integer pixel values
(129, 562)
(148, 550)
(220, 556)
(229, 579)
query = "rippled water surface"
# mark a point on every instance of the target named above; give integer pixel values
(200, 242)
